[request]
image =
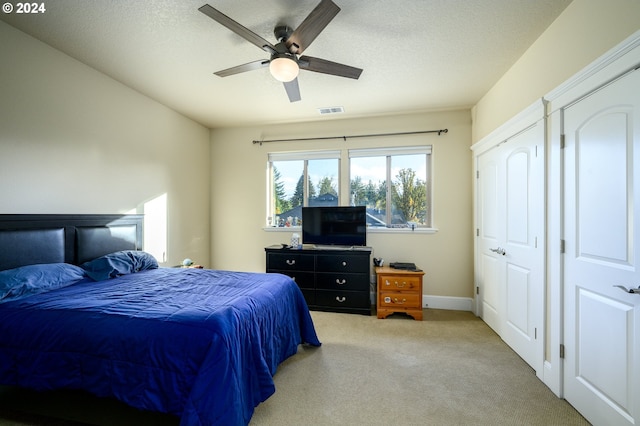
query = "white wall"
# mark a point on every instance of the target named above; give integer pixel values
(584, 31)
(239, 182)
(73, 140)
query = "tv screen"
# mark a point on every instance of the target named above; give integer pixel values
(343, 226)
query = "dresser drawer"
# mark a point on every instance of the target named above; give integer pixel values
(343, 263)
(309, 296)
(290, 261)
(303, 279)
(399, 301)
(343, 299)
(342, 281)
(399, 283)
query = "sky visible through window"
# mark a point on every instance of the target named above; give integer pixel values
(369, 169)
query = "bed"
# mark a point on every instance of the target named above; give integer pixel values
(199, 344)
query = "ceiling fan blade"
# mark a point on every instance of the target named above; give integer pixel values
(242, 31)
(243, 68)
(293, 90)
(327, 67)
(312, 25)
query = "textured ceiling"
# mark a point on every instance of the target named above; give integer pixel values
(416, 54)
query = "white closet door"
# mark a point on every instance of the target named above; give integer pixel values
(510, 196)
(602, 251)
(524, 245)
(489, 270)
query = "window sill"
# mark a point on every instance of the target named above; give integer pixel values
(375, 230)
(370, 230)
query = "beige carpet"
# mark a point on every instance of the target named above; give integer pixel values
(450, 369)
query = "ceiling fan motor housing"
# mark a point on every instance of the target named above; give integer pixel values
(282, 32)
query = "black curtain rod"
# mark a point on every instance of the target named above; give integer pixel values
(439, 132)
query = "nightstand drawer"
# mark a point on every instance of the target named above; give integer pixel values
(401, 300)
(399, 283)
(290, 261)
(344, 263)
(342, 281)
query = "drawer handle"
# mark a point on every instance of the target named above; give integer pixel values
(291, 262)
(341, 299)
(387, 299)
(344, 263)
(398, 285)
(341, 282)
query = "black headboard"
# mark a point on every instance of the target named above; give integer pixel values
(27, 239)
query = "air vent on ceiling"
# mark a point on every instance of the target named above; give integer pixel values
(331, 110)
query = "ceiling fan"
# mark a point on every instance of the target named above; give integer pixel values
(284, 62)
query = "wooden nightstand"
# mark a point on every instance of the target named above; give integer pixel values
(399, 291)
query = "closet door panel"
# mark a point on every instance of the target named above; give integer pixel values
(602, 255)
(490, 218)
(510, 245)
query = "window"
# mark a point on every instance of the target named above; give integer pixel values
(393, 183)
(399, 178)
(301, 179)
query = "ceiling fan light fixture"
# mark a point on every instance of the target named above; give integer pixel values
(284, 69)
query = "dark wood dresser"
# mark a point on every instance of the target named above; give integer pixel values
(331, 280)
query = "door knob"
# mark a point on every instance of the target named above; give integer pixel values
(498, 250)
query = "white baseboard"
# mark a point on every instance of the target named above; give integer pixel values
(449, 303)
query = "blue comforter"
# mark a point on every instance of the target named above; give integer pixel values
(200, 344)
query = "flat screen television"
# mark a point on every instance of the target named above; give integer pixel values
(335, 225)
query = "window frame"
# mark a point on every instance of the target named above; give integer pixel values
(388, 153)
(347, 154)
(305, 157)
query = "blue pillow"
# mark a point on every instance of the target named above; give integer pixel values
(119, 263)
(33, 279)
